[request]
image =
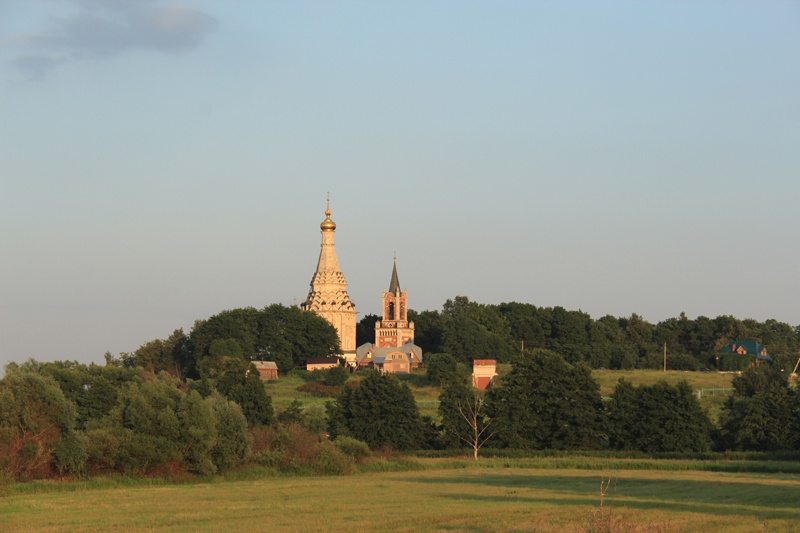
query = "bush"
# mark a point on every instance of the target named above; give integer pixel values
(333, 377)
(336, 376)
(314, 418)
(34, 417)
(357, 449)
(291, 414)
(102, 450)
(331, 461)
(734, 362)
(294, 449)
(232, 445)
(70, 453)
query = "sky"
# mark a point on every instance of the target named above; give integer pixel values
(163, 161)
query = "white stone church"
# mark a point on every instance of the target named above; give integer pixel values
(394, 349)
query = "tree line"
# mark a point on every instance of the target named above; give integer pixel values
(546, 403)
(466, 330)
(469, 330)
(193, 402)
(68, 418)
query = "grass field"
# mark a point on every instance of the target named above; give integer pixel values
(697, 380)
(489, 497)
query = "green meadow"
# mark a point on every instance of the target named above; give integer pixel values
(429, 495)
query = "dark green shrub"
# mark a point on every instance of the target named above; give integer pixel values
(331, 461)
(232, 445)
(357, 449)
(336, 376)
(70, 453)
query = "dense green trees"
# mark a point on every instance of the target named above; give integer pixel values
(241, 383)
(762, 413)
(546, 403)
(149, 423)
(379, 410)
(286, 335)
(441, 367)
(365, 329)
(657, 418)
(169, 355)
(193, 402)
(36, 424)
(475, 331)
(469, 330)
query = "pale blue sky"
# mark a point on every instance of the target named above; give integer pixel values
(162, 161)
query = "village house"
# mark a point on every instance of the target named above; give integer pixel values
(741, 354)
(266, 369)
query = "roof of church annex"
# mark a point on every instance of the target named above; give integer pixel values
(381, 353)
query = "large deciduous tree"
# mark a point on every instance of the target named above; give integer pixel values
(762, 413)
(428, 330)
(285, 335)
(464, 422)
(547, 403)
(657, 418)
(442, 367)
(475, 331)
(36, 424)
(379, 410)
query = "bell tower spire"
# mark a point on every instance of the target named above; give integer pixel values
(327, 295)
(394, 330)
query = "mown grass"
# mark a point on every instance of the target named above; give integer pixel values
(697, 380)
(284, 391)
(495, 495)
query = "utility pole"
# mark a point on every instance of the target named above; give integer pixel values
(665, 356)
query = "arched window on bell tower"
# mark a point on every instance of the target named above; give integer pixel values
(390, 311)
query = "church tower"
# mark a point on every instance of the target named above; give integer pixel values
(328, 293)
(394, 330)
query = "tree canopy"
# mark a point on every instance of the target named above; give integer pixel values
(286, 335)
(657, 418)
(379, 410)
(547, 403)
(469, 330)
(763, 413)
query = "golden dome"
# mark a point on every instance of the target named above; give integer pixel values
(328, 224)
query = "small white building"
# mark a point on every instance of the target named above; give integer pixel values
(483, 373)
(322, 363)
